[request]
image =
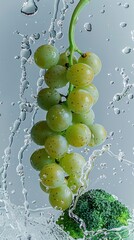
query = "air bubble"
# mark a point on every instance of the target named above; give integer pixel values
(88, 27)
(29, 7)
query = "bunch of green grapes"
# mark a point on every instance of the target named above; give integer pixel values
(69, 121)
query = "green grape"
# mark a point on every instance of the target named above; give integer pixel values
(46, 56)
(40, 131)
(93, 92)
(55, 77)
(44, 188)
(99, 134)
(72, 163)
(80, 75)
(48, 97)
(56, 146)
(61, 198)
(85, 118)
(92, 142)
(63, 59)
(75, 182)
(78, 135)
(59, 118)
(80, 101)
(52, 175)
(40, 158)
(92, 60)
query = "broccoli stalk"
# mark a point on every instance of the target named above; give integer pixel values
(99, 210)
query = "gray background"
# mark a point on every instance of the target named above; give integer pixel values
(117, 178)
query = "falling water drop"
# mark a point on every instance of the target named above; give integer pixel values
(29, 7)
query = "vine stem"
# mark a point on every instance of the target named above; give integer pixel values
(72, 45)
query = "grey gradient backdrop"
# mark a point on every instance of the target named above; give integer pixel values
(104, 26)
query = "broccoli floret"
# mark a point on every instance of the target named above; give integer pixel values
(99, 210)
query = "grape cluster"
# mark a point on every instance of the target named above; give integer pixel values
(69, 121)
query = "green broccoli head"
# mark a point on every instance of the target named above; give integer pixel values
(99, 210)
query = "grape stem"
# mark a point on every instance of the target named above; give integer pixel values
(72, 45)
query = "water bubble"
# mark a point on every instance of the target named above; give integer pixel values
(88, 27)
(29, 7)
(123, 24)
(126, 50)
(117, 111)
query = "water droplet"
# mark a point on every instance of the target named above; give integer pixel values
(117, 97)
(117, 111)
(126, 5)
(123, 24)
(29, 7)
(90, 15)
(117, 69)
(119, 3)
(59, 23)
(111, 134)
(111, 82)
(132, 33)
(103, 11)
(19, 170)
(108, 39)
(25, 54)
(130, 96)
(126, 50)
(59, 35)
(88, 27)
